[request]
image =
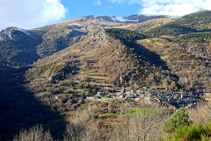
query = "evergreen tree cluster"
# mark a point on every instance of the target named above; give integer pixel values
(125, 35)
(197, 22)
(195, 37)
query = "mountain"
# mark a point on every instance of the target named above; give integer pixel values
(195, 22)
(108, 57)
(91, 55)
(17, 46)
(91, 45)
(79, 34)
(126, 19)
(21, 47)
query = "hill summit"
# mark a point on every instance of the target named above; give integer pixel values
(20, 47)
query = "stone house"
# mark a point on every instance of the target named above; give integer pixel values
(140, 91)
(187, 96)
(173, 101)
(96, 97)
(122, 95)
(89, 98)
(146, 88)
(60, 96)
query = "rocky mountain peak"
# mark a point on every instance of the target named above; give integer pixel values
(13, 32)
(125, 19)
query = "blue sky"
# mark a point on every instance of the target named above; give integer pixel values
(30, 14)
(79, 8)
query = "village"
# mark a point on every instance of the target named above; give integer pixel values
(156, 96)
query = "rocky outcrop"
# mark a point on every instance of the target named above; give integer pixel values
(126, 19)
(12, 32)
(55, 78)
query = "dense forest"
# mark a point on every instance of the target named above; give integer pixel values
(124, 35)
(202, 37)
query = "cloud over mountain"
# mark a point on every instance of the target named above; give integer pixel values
(30, 14)
(168, 7)
(173, 7)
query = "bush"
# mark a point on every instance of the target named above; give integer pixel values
(193, 132)
(80, 87)
(178, 119)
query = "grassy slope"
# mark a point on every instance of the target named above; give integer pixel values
(134, 112)
(145, 26)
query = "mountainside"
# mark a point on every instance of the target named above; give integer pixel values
(21, 47)
(99, 59)
(18, 46)
(195, 22)
(188, 61)
(150, 24)
(96, 54)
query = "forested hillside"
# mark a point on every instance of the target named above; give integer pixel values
(204, 37)
(195, 22)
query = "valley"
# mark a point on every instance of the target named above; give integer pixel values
(104, 75)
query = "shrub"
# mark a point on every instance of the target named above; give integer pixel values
(193, 132)
(80, 87)
(178, 119)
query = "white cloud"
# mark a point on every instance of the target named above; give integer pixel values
(117, 1)
(172, 7)
(97, 2)
(30, 14)
(168, 7)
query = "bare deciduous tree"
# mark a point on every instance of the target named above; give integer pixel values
(201, 114)
(142, 127)
(36, 133)
(75, 132)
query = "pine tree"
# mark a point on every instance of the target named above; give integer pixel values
(178, 119)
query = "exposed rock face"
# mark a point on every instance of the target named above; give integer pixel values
(101, 36)
(8, 34)
(126, 19)
(13, 32)
(4, 37)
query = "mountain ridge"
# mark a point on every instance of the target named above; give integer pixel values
(50, 39)
(125, 19)
(194, 22)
